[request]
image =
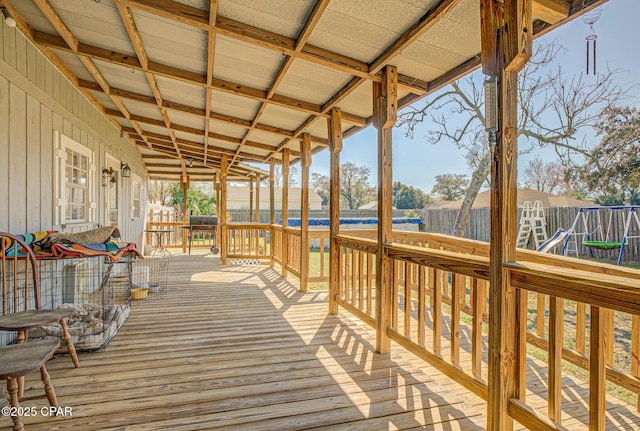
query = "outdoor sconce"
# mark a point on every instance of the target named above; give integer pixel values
(491, 104)
(10, 21)
(108, 177)
(126, 170)
(190, 162)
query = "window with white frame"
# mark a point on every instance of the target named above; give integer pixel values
(74, 182)
(136, 197)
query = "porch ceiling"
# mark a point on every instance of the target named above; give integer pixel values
(196, 79)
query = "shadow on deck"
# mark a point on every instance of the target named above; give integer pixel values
(238, 347)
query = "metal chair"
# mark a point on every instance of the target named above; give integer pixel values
(16, 361)
(21, 302)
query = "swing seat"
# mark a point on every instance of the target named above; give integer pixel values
(603, 245)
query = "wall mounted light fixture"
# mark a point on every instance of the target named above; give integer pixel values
(126, 170)
(190, 162)
(9, 20)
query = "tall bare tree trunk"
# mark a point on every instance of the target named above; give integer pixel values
(479, 175)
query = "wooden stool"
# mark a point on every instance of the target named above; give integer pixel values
(17, 360)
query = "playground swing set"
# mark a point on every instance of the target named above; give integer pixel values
(597, 238)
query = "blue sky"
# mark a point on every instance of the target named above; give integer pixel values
(416, 162)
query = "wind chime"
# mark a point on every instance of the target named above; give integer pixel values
(590, 19)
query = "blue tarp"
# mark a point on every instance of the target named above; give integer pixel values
(295, 222)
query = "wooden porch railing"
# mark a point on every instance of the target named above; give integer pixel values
(440, 292)
(247, 240)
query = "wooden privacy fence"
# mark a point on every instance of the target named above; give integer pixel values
(442, 221)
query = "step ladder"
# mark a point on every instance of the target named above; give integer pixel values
(532, 224)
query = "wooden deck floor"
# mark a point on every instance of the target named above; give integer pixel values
(239, 348)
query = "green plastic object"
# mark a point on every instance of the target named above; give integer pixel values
(603, 245)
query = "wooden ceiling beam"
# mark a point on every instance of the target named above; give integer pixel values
(136, 41)
(192, 111)
(427, 21)
(159, 139)
(312, 21)
(130, 62)
(550, 11)
(198, 157)
(72, 42)
(272, 41)
(211, 48)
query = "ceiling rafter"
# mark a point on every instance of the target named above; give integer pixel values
(125, 94)
(26, 30)
(305, 33)
(199, 18)
(136, 41)
(54, 19)
(188, 77)
(413, 33)
(197, 147)
(211, 48)
(151, 135)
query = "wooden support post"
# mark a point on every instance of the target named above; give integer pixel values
(185, 203)
(334, 132)
(272, 208)
(285, 210)
(385, 103)
(257, 213)
(503, 55)
(216, 190)
(250, 200)
(222, 218)
(305, 162)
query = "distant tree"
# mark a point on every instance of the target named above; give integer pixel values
(320, 184)
(408, 197)
(613, 168)
(545, 177)
(355, 189)
(277, 176)
(159, 192)
(553, 110)
(450, 187)
(198, 202)
(354, 185)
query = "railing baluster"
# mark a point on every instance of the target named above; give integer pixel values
(354, 268)
(635, 349)
(478, 300)
(394, 293)
(369, 281)
(437, 313)
(432, 286)
(407, 300)
(597, 355)
(556, 338)
(540, 314)
(581, 327)
(360, 280)
(455, 318)
(421, 305)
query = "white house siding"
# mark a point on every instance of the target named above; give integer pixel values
(35, 101)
